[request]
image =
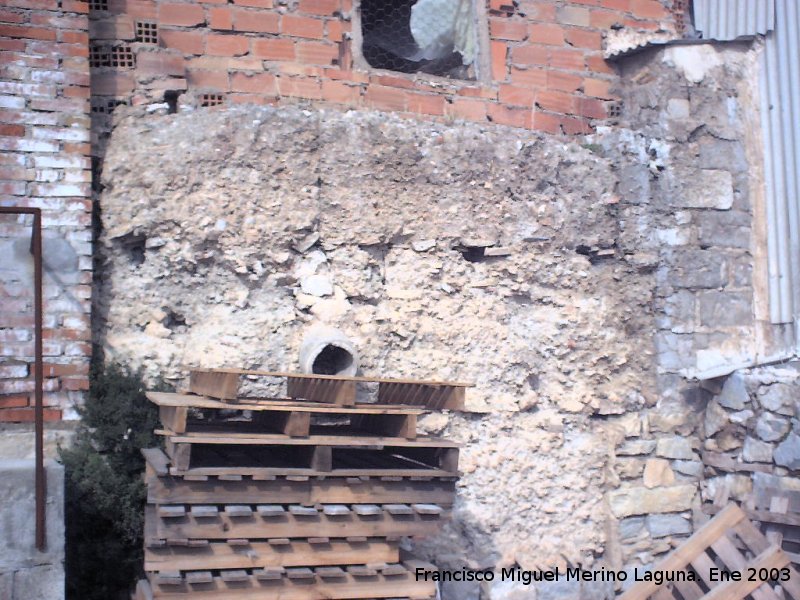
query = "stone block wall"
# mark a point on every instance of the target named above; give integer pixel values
(752, 432)
(45, 162)
(545, 66)
(484, 254)
(25, 572)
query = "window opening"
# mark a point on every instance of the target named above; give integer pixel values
(437, 37)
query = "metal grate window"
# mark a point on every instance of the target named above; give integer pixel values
(146, 32)
(420, 36)
(211, 99)
(98, 5)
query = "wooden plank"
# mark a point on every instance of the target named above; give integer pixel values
(764, 516)
(173, 417)
(179, 454)
(285, 404)
(277, 439)
(156, 458)
(728, 463)
(266, 472)
(689, 550)
(771, 558)
(333, 391)
(436, 396)
(216, 384)
(332, 490)
(294, 526)
(322, 459)
(689, 590)
(279, 374)
(337, 588)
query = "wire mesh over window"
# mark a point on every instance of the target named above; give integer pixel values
(420, 36)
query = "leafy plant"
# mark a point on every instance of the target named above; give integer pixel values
(105, 492)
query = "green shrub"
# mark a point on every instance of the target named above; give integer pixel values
(105, 493)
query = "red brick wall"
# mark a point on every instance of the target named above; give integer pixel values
(45, 162)
(547, 68)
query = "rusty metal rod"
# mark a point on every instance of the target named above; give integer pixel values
(36, 250)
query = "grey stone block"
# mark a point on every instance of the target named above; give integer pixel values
(675, 447)
(634, 184)
(721, 154)
(779, 398)
(664, 525)
(787, 454)
(734, 393)
(675, 351)
(630, 528)
(689, 468)
(757, 451)
(694, 268)
(729, 229)
(725, 309)
(771, 428)
(636, 448)
(701, 188)
(716, 418)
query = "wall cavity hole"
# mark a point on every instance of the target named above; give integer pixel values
(332, 360)
(133, 245)
(171, 99)
(473, 253)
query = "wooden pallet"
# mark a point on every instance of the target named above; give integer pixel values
(187, 555)
(278, 522)
(435, 395)
(290, 417)
(305, 490)
(318, 453)
(728, 541)
(391, 581)
(778, 511)
(159, 464)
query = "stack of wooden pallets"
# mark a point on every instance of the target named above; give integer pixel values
(302, 497)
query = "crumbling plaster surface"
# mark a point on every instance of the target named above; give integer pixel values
(226, 234)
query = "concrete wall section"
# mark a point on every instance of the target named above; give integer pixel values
(25, 572)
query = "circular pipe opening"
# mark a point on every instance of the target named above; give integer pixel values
(332, 360)
(327, 351)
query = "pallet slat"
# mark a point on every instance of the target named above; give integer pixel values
(332, 490)
(435, 395)
(297, 585)
(373, 524)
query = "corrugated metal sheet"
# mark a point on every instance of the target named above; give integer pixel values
(779, 82)
(730, 19)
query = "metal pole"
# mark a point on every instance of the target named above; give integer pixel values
(41, 483)
(36, 250)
